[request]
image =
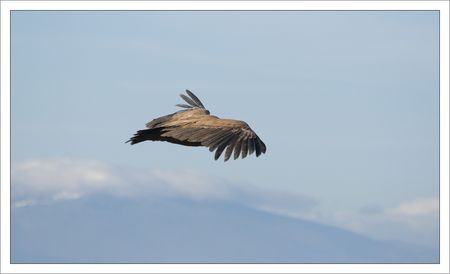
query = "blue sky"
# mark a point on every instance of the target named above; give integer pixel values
(346, 102)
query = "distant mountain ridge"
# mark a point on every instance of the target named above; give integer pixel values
(105, 229)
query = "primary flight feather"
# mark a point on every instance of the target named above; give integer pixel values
(194, 126)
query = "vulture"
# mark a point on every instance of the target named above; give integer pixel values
(194, 126)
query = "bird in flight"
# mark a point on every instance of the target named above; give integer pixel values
(194, 126)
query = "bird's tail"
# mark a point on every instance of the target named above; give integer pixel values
(151, 134)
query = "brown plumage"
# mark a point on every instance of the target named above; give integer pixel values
(196, 127)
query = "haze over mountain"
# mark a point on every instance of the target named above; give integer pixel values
(105, 229)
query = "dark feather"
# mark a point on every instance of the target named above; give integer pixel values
(230, 148)
(220, 141)
(251, 146)
(237, 148)
(244, 148)
(216, 138)
(183, 106)
(196, 100)
(263, 146)
(257, 147)
(217, 141)
(188, 100)
(222, 146)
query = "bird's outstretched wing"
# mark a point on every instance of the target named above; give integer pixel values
(217, 134)
(195, 127)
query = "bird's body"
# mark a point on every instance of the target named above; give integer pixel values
(196, 127)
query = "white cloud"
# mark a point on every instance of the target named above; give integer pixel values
(66, 179)
(419, 207)
(59, 179)
(50, 180)
(414, 221)
(26, 202)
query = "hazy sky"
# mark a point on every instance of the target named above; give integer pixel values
(346, 102)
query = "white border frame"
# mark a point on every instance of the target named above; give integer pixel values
(7, 6)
